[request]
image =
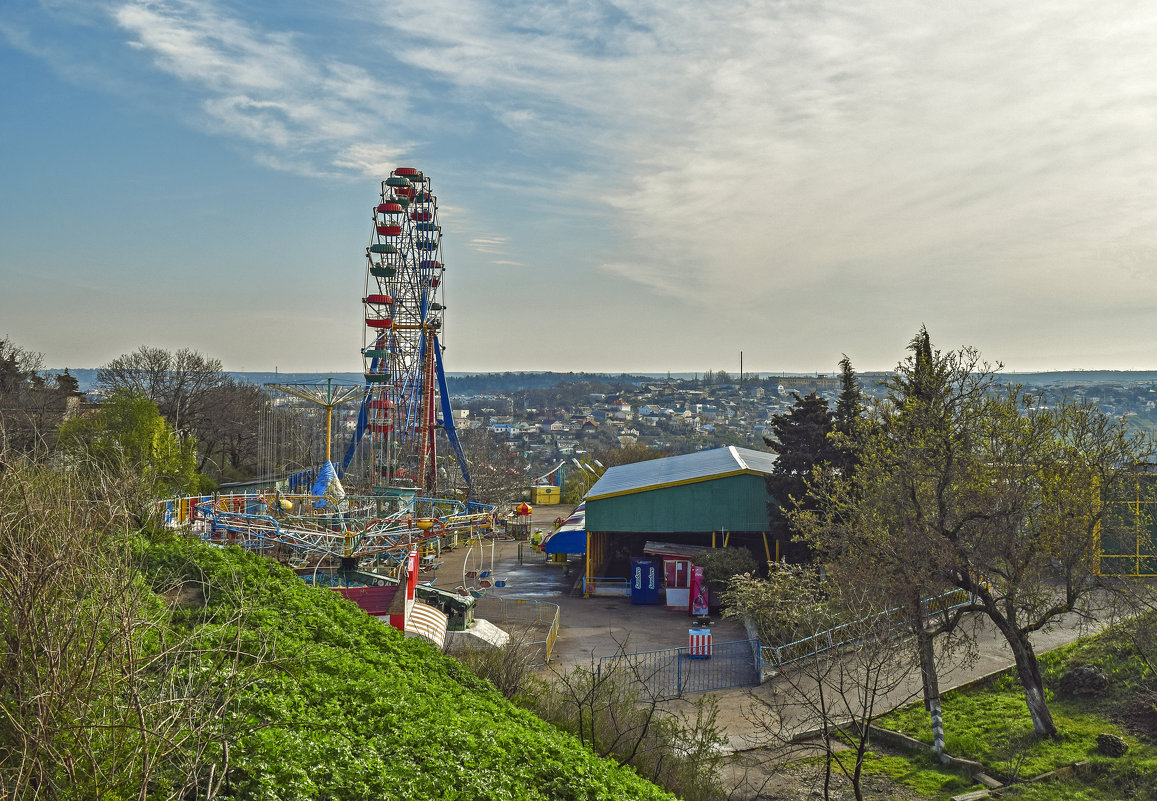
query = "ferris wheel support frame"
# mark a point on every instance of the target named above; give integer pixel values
(405, 377)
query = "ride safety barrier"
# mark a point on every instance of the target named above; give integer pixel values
(673, 672)
(606, 586)
(505, 609)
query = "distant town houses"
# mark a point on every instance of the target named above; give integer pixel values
(673, 415)
(684, 416)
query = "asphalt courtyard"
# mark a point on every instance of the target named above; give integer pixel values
(589, 628)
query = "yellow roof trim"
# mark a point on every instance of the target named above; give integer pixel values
(669, 484)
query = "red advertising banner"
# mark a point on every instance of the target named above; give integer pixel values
(698, 591)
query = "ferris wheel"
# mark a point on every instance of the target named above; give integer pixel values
(406, 403)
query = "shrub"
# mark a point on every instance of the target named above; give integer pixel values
(720, 565)
(508, 667)
(610, 712)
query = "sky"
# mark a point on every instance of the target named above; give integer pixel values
(633, 186)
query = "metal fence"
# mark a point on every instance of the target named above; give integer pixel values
(522, 610)
(606, 585)
(675, 671)
(835, 638)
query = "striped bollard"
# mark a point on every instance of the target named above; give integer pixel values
(700, 646)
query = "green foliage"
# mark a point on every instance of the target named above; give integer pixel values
(801, 438)
(128, 431)
(360, 711)
(720, 565)
(850, 402)
(963, 484)
(789, 603)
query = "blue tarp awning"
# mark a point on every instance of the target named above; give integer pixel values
(572, 540)
(571, 536)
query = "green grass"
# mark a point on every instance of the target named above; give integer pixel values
(920, 773)
(991, 724)
(993, 727)
(358, 711)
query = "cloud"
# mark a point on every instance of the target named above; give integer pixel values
(809, 155)
(867, 163)
(494, 245)
(491, 246)
(368, 159)
(304, 111)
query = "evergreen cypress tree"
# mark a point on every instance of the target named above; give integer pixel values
(849, 412)
(800, 438)
(850, 403)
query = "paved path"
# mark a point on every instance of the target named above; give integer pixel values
(992, 656)
(590, 628)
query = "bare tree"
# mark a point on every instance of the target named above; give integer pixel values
(176, 381)
(101, 696)
(498, 474)
(509, 667)
(229, 438)
(615, 710)
(837, 682)
(32, 404)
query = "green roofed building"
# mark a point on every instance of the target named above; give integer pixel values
(704, 499)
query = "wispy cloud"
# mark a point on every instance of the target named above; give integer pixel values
(264, 86)
(376, 160)
(986, 164)
(489, 244)
(494, 246)
(810, 156)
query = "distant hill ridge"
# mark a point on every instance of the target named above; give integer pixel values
(467, 382)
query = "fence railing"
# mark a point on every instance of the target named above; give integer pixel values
(606, 585)
(849, 633)
(672, 672)
(523, 610)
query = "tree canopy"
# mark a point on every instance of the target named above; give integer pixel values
(32, 402)
(128, 430)
(962, 483)
(177, 382)
(801, 440)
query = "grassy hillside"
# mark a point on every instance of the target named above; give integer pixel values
(990, 724)
(351, 709)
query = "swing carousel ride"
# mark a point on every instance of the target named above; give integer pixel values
(403, 453)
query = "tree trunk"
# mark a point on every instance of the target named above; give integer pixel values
(925, 646)
(1028, 670)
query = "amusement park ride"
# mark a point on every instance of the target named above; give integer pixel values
(382, 500)
(405, 382)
